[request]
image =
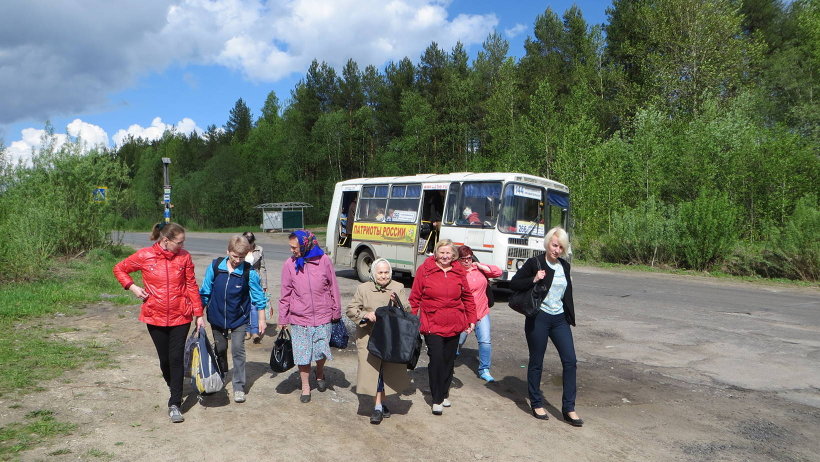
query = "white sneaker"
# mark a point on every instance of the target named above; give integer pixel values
(239, 396)
(175, 414)
(446, 403)
(438, 409)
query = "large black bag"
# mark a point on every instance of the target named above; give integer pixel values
(414, 358)
(395, 334)
(528, 302)
(281, 357)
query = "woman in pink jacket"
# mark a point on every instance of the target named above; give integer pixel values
(308, 302)
(477, 280)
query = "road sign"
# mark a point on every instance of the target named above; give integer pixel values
(99, 194)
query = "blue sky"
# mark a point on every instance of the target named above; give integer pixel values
(103, 68)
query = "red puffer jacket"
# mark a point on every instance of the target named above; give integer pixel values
(444, 298)
(169, 279)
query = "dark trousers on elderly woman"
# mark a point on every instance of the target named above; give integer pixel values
(442, 353)
(539, 329)
(170, 345)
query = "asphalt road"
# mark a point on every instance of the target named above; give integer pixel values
(704, 330)
(671, 367)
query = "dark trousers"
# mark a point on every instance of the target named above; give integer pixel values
(538, 329)
(170, 345)
(442, 353)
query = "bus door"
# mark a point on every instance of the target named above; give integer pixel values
(344, 228)
(432, 211)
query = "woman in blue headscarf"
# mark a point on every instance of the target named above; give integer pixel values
(308, 302)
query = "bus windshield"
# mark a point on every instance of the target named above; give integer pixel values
(522, 209)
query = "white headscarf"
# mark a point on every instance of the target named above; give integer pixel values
(373, 270)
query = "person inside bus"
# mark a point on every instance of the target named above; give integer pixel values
(379, 214)
(432, 213)
(470, 217)
(351, 217)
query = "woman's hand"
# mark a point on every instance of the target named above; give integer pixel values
(370, 316)
(283, 327)
(470, 328)
(141, 293)
(541, 274)
(199, 322)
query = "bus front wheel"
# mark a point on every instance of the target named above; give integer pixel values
(363, 262)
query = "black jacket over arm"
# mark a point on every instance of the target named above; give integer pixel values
(523, 281)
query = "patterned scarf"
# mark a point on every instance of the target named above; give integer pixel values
(308, 248)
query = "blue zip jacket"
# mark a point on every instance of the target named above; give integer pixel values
(222, 295)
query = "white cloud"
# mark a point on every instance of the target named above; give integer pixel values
(32, 141)
(515, 30)
(155, 130)
(57, 59)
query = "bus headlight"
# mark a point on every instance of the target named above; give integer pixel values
(519, 264)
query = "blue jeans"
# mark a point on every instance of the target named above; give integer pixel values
(538, 329)
(485, 346)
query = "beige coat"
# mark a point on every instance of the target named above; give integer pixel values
(366, 299)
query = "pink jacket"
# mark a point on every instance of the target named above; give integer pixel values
(477, 282)
(309, 297)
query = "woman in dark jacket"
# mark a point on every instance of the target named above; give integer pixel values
(441, 293)
(552, 321)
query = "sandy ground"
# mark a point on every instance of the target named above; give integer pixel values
(633, 412)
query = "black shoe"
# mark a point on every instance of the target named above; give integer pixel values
(386, 412)
(376, 417)
(321, 384)
(304, 398)
(573, 422)
(546, 415)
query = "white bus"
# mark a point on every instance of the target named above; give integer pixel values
(501, 216)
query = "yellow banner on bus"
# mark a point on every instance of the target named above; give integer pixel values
(384, 232)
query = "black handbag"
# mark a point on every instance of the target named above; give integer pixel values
(395, 334)
(528, 302)
(281, 357)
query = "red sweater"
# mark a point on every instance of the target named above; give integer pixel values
(444, 299)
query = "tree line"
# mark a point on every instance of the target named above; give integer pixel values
(687, 132)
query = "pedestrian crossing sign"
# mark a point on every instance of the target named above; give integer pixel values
(99, 194)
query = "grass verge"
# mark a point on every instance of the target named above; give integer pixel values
(38, 427)
(29, 353)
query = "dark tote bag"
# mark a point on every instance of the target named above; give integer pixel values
(395, 334)
(414, 358)
(281, 358)
(528, 302)
(339, 335)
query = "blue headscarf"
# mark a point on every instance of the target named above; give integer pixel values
(308, 248)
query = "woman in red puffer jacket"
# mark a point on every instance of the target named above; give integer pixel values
(170, 301)
(442, 296)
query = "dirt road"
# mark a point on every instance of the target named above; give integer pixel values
(656, 382)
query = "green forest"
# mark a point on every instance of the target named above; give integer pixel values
(686, 130)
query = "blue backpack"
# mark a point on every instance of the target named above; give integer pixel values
(201, 363)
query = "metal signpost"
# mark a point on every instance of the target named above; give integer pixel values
(166, 189)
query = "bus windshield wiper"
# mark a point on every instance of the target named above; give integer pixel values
(532, 228)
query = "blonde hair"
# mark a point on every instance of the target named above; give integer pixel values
(563, 239)
(239, 244)
(444, 243)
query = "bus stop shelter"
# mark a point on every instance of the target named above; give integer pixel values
(283, 216)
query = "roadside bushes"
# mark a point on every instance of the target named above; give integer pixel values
(46, 210)
(703, 234)
(693, 234)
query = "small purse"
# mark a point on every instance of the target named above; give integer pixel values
(281, 357)
(528, 302)
(338, 335)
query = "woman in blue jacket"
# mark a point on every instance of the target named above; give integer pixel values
(230, 290)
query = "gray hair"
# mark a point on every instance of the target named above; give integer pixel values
(377, 262)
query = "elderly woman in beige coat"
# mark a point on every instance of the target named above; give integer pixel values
(375, 377)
